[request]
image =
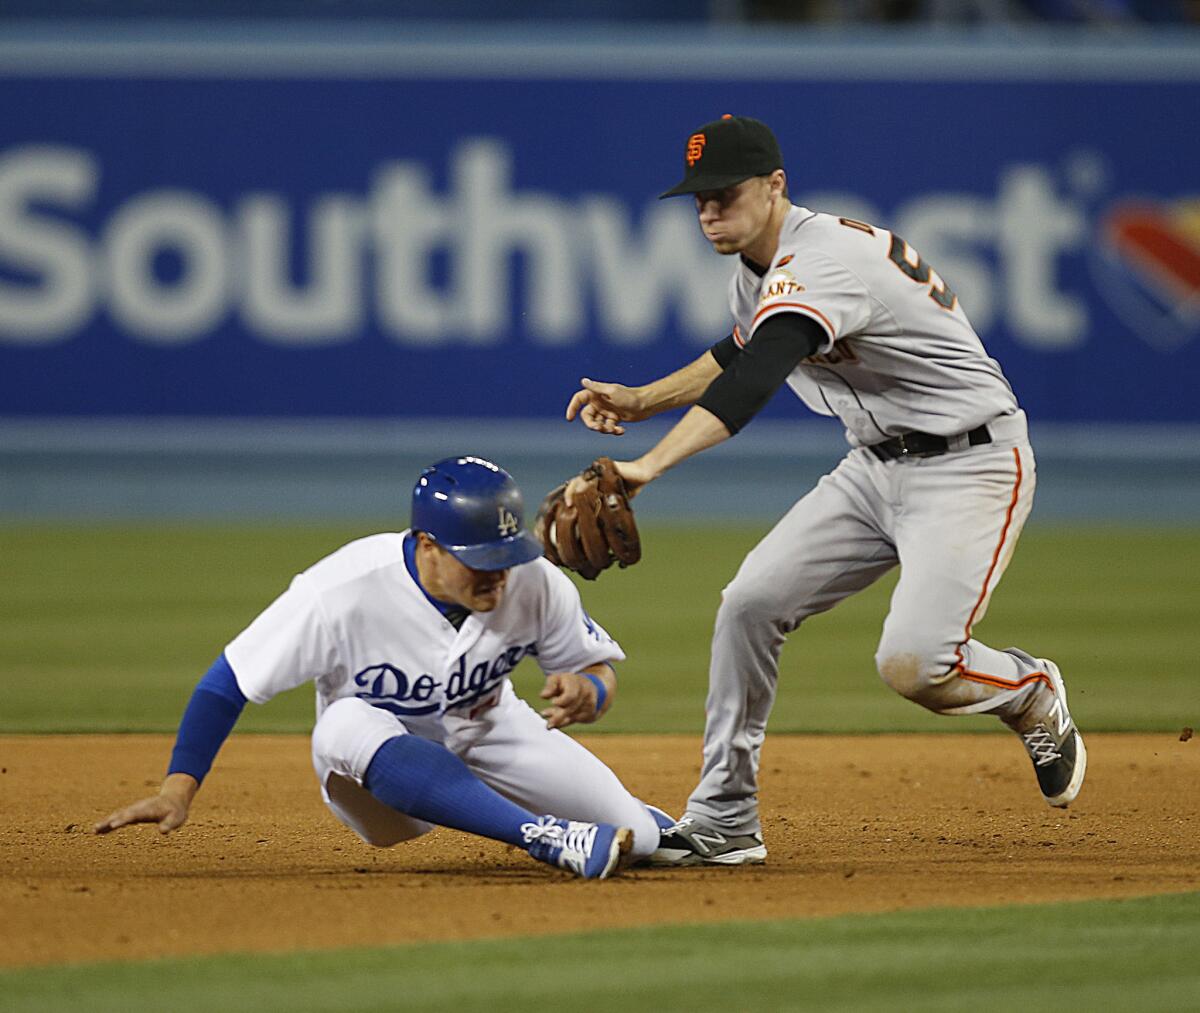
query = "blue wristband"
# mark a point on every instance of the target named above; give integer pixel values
(601, 692)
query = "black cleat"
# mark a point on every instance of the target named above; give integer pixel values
(1056, 747)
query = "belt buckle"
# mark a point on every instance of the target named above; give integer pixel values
(904, 448)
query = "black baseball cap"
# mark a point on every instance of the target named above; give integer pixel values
(725, 152)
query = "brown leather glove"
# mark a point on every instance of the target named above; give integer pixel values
(596, 530)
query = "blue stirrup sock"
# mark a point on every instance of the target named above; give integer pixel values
(425, 780)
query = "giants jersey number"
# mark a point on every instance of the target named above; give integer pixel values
(901, 254)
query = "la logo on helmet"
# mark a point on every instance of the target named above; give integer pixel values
(508, 522)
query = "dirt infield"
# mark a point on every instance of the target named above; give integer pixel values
(852, 824)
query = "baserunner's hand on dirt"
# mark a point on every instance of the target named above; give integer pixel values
(169, 808)
(167, 812)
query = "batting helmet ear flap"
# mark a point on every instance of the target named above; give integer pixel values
(473, 509)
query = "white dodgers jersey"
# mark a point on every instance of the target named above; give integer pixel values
(357, 624)
(899, 354)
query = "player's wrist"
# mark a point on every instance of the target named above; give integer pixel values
(647, 468)
(180, 786)
(601, 690)
(645, 402)
(664, 395)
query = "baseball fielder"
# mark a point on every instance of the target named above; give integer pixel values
(939, 478)
(409, 638)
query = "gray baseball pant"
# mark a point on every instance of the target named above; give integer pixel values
(951, 522)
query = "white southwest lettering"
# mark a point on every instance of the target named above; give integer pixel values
(329, 309)
(45, 247)
(168, 313)
(638, 277)
(1029, 227)
(639, 267)
(1033, 226)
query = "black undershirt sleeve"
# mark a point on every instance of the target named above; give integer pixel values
(724, 351)
(754, 373)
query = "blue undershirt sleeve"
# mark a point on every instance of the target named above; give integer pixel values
(211, 713)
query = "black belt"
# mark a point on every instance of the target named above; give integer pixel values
(924, 444)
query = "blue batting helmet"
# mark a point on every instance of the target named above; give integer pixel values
(473, 509)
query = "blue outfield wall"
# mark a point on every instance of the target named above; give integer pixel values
(390, 228)
(247, 273)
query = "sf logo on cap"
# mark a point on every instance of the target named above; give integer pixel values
(695, 148)
(508, 522)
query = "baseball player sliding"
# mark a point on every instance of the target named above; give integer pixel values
(409, 639)
(939, 478)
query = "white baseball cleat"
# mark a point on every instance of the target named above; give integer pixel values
(1056, 747)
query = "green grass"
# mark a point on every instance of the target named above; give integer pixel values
(108, 628)
(1127, 954)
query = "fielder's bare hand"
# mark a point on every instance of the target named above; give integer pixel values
(573, 697)
(604, 406)
(169, 808)
(634, 474)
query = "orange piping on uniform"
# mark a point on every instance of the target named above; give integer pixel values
(963, 671)
(799, 306)
(998, 683)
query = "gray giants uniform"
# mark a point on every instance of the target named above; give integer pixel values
(900, 357)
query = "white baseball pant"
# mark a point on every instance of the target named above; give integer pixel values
(507, 746)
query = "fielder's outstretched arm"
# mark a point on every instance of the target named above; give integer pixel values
(604, 406)
(698, 430)
(746, 379)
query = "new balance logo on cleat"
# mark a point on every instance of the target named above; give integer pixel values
(708, 843)
(1062, 720)
(692, 843)
(1056, 747)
